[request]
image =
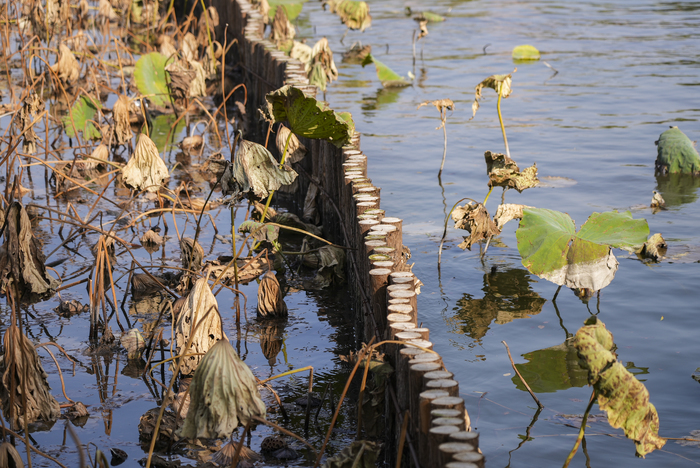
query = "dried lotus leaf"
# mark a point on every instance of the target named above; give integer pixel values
(122, 127)
(507, 212)
(502, 84)
(474, 218)
(295, 148)
(504, 172)
(270, 298)
(192, 144)
(133, 342)
(310, 206)
(201, 314)
(22, 261)
(207, 23)
(31, 106)
(67, 68)
(21, 369)
(106, 12)
(223, 393)
(145, 169)
(9, 456)
(282, 30)
(190, 49)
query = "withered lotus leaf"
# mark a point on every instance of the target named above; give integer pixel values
(67, 68)
(504, 172)
(295, 148)
(133, 342)
(21, 369)
(9, 456)
(502, 84)
(255, 170)
(122, 128)
(22, 262)
(223, 393)
(200, 319)
(270, 298)
(31, 106)
(145, 170)
(474, 218)
(507, 212)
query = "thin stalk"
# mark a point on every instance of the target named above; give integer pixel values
(444, 151)
(272, 192)
(444, 232)
(500, 119)
(488, 194)
(581, 430)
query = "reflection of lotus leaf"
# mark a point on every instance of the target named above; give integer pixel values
(507, 297)
(678, 189)
(551, 369)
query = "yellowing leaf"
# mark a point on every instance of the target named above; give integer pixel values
(624, 398)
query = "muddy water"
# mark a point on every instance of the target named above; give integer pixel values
(626, 72)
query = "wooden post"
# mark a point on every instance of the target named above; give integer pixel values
(436, 436)
(378, 282)
(449, 385)
(423, 416)
(468, 437)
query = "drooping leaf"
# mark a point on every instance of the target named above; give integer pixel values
(255, 170)
(551, 248)
(655, 248)
(306, 117)
(301, 52)
(676, 154)
(150, 78)
(526, 52)
(502, 84)
(474, 218)
(270, 298)
(388, 77)
(260, 232)
(283, 31)
(223, 393)
(624, 398)
(357, 53)
(321, 68)
(85, 116)
(552, 369)
(504, 172)
(293, 8)
(145, 170)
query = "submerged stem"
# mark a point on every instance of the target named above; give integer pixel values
(581, 430)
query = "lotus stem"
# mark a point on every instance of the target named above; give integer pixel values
(539, 405)
(488, 194)
(444, 232)
(581, 430)
(444, 151)
(500, 119)
(272, 192)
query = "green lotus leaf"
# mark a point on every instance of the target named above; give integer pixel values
(624, 398)
(255, 170)
(163, 133)
(306, 116)
(551, 249)
(84, 112)
(150, 78)
(526, 52)
(429, 16)
(292, 7)
(388, 77)
(354, 14)
(676, 154)
(317, 76)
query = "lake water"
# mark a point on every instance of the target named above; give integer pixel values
(627, 71)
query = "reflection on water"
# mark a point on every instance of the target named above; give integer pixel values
(507, 296)
(551, 369)
(382, 98)
(678, 189)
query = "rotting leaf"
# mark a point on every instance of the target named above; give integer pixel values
(442, 105)
(359, 454)
(330, 262)
(423, 28)
(504, 172)
(199, 317)
(655, 248)
(624, 398)
(551, 249)
(9, 456)
(22, 262)
(223, 392)
(354, 14)
(270, 298)
(283, 31)
(295, 148)
(133, 342)
(676, 154)
(122, 128)
(145, 170)
(21, 369)
(502, 84)
(657, 201)
(85, 112)
(260, 232)
(357, 53)
(310, 206)
(388, 77)
(31, 106)
(308, 117)
(320, 68)
(255, 170)
(192, 256)
(474, 218)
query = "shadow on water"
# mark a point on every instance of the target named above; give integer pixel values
(507, 296)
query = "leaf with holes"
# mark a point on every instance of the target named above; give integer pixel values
(85, 115)
(551, 248)
(306, 116)
(150, 77)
